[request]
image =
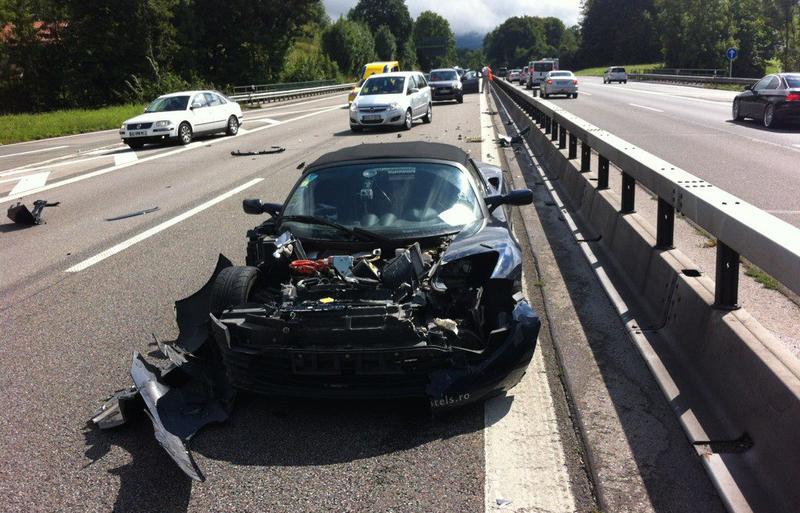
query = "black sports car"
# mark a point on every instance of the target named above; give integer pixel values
(390, 271)
(772, 100)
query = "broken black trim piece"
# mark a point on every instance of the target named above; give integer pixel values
(270, 151)
(133, 214)
(20, 214)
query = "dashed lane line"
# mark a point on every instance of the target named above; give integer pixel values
(30, 182)
(122, 246)
(645, 107)
(52, 148)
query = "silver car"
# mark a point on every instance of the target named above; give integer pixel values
(392, 99)
(615, 74)
(560, 82)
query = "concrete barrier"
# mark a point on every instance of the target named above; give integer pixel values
(733, 386)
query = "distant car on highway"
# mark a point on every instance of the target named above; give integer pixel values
(615, 74)
(446, 85)
(392, 99)
(538, 70)
(367, 71)
(502, 72)
(513, 75)
(523, 75)
(560, 82)
(772, 100)
(181, 116)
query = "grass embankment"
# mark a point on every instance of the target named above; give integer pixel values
(630, 68)
(27, 127)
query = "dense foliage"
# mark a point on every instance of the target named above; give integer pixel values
(430, 29)
(523, 38)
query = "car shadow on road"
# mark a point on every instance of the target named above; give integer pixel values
(751, 123)
(376, 131)
(273, 432)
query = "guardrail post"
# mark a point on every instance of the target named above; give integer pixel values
(573, 146)
(602, 173)
(562, 138)
(554, 130)
(726, 288)
(586, 157)
(665, 225)
(540, 118)
(628, 194)
(547, 123)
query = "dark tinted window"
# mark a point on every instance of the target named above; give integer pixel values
(383, 85)
(166, 104)
(762, 84)
(617, 70)
(441, 76)
(792, 80)
(421, 82)
(775, 83)
(543, 66)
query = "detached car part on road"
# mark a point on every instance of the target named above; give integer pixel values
(391, 271)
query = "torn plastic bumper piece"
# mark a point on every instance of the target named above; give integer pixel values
(499, 372)
(180, 400)
(20, 214)
(270, 151)
(191, 313)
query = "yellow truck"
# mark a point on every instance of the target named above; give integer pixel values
(371, 69)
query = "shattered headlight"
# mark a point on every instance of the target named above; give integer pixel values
(162, 124)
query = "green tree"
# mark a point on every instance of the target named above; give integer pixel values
(516, 41)
(432, 28)
(695, 33)
(394, 14)
(784, 16)
(385, 43)
(620, 31)
(349, 44)
(753, 37)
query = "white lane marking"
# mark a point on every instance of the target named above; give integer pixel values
(125, 157)
(159, 228)
(645, 107)
(266, 120)
(23, 169)
(783, 211)
(523, 454)
(288, 112)
(30, 182)
(191, 146)
(586, 94)
(796, 145)
(53, 148)
(290, 105)
(722, 103)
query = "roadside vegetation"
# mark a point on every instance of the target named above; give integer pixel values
(630, 68)
(28, 127)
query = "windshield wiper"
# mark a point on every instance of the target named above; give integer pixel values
(354, 232)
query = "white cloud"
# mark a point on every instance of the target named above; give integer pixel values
(478, 15)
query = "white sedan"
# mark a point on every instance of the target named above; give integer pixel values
(181, 116)
(560, 82)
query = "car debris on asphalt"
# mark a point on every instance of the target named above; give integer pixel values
(20, 214)
(505, 141)
(133, 214)
(270, 151)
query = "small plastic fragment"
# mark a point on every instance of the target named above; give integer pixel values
(270, 151)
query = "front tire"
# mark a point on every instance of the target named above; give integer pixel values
(233, 126)
(736, 111)
(232, 287)
(428, 115)
(408, 122)
(460, 99)
(575, 95)
(769, 116)
(185, 133)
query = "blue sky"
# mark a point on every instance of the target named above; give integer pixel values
(478, 15)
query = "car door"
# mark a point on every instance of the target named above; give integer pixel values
(416, 104)
(770, 93)
(750, 103)
(424, 93)
(217, 112)
(201, 115)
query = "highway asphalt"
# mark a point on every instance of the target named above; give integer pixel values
(692, 128)
(80, 293)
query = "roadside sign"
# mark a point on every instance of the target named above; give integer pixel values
(731, 53)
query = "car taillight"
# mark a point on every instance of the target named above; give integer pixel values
(549, 81)
(575, 82)
(793, 97)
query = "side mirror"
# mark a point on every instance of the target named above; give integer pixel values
(748, 87)
(517, 197)
(413, 90)
(254, 206)
(196, 105)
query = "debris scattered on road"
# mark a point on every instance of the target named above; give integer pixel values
(474, 139)
(301, 165)
(20, 214)
(133, 214)
(505, 141)
(270, 151)
(490, 112)
(502, 503)
(399, 136)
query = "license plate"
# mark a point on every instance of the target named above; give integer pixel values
(444, 90)
(137, 133)
(371, 117)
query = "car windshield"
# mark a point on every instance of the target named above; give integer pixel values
(168, 103)
(792, 80)
(394, 200)
(542, 66)
(443, 76)
(383, 85)
(617, 70)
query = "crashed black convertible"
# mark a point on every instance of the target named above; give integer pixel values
(391, 271)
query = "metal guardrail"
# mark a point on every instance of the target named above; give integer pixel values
(739, 227)
(298, 92)
(691, 79)
(281, 86)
